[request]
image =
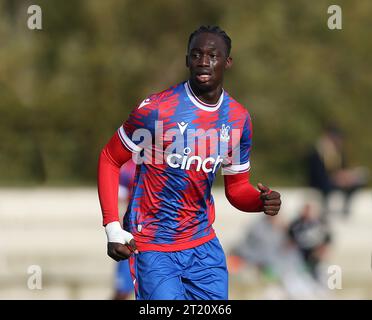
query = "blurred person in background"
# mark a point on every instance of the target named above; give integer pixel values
(328, 169)
(123, 280)
(312, 236)
(263, 242)
(267, 248)
(173, 249)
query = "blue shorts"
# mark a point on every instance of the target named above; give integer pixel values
(123, 279)
(199, 273)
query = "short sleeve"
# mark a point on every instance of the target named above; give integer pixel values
(139, 126)
(239, 159)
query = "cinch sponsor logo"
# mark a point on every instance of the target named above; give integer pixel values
(184, 162)
(159, 146)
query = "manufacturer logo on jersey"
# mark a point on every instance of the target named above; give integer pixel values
(144, 102)
(224, 133)
(182, 126)
(184, 162)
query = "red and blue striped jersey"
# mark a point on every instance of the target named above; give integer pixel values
(179, 143)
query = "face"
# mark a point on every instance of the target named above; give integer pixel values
(207, 61)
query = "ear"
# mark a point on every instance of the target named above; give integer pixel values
(229, 63)
(187, 61)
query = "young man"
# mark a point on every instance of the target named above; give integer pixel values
(180, 137)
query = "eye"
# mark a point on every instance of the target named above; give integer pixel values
(195, 55)
(213, 56)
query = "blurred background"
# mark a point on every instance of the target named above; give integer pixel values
(65, 89)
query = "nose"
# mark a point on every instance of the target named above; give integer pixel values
(204, 61)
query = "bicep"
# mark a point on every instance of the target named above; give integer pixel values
(116, 151)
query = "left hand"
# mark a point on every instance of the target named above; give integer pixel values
(271, 200)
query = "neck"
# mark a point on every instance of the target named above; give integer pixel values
(209, 95)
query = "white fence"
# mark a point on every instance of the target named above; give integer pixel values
(60, 231)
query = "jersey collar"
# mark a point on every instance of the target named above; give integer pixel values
(200, 104)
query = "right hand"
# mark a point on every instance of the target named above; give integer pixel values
(121, 243)
(118, 251)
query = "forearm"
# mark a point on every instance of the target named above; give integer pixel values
(241, 194)
(112, 157)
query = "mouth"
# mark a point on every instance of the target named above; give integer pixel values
(203, 77)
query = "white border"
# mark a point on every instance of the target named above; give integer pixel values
(237, 168)
(129, 144)
(204, 106)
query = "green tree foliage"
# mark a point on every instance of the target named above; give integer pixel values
(66, 88)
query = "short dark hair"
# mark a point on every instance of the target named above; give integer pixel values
(215, 30)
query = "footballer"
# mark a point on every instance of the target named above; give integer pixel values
(180, 139)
